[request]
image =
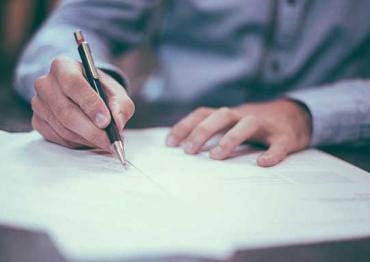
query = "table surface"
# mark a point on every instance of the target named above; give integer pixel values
(15, 116)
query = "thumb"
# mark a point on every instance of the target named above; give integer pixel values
(275, 154)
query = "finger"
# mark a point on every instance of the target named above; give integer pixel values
(182, 129)
(42, 111)
(70, 78)
(216, 122)
(69, 114)
(120, 104)
(242, 131)
(277, 151)
(48, 133)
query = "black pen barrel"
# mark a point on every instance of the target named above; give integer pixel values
(111, 130)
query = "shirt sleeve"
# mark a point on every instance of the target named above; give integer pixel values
(340, 111)
(110, 26)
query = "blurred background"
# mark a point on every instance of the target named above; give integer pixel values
(19, 20)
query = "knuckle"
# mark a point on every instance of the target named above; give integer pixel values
(40, 84)
(36, 106)
(57, 64)
(203, 111)
(225, 111)
(34, 103)
(202, 131)
(60, 62)
(38, 109)
(228, 113)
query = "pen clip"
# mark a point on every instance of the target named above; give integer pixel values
(87, 54)
(90, 60)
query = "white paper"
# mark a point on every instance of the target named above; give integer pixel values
(177, 203)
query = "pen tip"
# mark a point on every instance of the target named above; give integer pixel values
(120, 153)
(124, 163)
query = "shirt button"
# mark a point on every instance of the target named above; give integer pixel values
(275, 66)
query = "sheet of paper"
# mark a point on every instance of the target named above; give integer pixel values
(176, 203)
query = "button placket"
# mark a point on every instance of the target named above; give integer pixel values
(275, 66)
(289, 12)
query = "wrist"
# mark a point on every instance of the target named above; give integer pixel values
(302, 119)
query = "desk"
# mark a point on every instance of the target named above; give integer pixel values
(15, 116)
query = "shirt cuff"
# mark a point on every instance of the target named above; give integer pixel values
(114, 72)
(334, 114)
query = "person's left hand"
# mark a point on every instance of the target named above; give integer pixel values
(283, 125)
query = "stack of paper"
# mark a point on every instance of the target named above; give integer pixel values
(176, 203)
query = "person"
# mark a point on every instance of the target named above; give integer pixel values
(286, 74)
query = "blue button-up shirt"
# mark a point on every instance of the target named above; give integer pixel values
(224, 53)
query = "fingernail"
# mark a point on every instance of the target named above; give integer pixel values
(101, 120)
(217, 152)
(264, 160)
(188, 147)
(266, 157)
(171, 141)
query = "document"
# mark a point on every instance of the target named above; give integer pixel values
(170, 203)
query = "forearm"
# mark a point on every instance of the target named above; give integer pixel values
(110, 26)
(340, 112)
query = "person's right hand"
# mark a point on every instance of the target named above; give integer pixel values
(67, 111)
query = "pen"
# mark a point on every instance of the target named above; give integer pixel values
(93, 79)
